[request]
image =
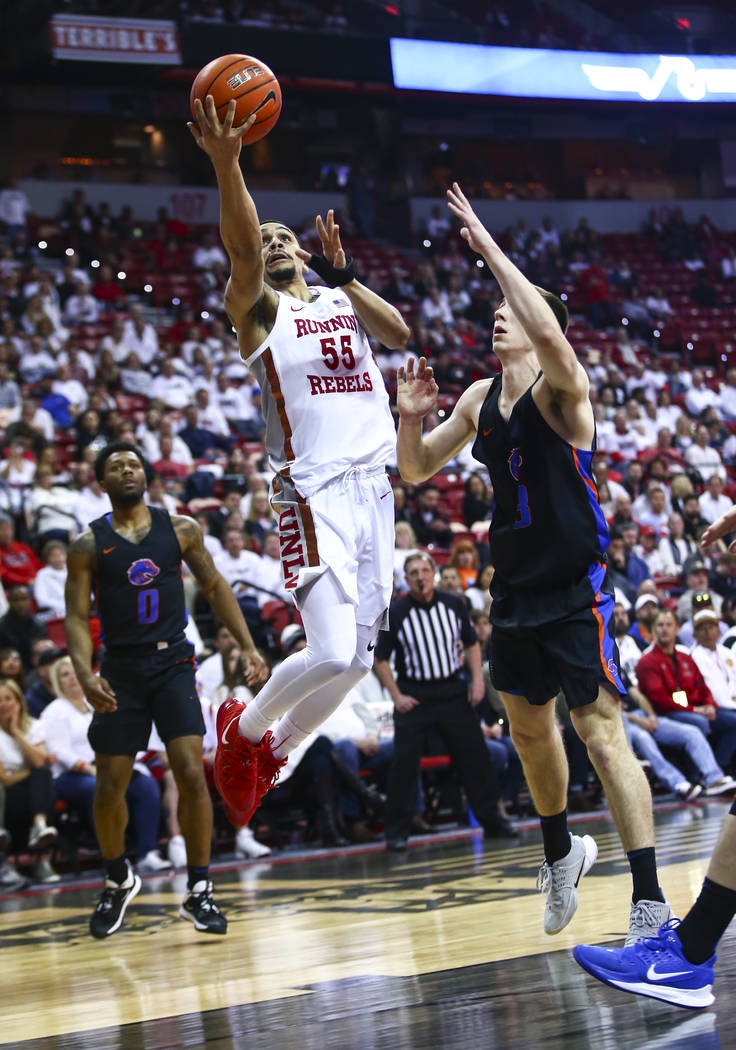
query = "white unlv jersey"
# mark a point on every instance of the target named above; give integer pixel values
(322, 394)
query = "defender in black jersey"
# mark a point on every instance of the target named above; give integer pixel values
(131, 559)
(552, 609)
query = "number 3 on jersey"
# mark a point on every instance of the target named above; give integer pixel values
(148, 606)
(524, 518)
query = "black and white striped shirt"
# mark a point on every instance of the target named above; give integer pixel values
(427, 637)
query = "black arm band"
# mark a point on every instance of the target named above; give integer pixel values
(331, 275)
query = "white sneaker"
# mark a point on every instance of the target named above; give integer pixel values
(645, 919)
(177, 851)
(724, 786)
(560, 882)
(247, 845)
(688, 792)
(152, 863)
(42, 836)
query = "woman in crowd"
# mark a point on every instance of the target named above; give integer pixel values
(479, 594)
(26, 778)
(476, 500)
(464, 558)
(261, 518)
(405, 543)
(11, 666)
(65, 723)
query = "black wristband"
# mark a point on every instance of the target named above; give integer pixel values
(331, 275)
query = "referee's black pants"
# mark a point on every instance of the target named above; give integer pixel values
(456, 722)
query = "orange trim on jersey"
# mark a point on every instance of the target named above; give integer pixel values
(602, 635)
(273, 382)
(310, 535)
(587, 481)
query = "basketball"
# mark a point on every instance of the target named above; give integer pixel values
(250, 82)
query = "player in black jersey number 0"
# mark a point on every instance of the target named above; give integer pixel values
(132, 557)
(552, 606)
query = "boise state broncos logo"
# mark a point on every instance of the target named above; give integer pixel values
(142, 572)
(515, 462)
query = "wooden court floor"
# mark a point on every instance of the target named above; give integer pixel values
(441, 948)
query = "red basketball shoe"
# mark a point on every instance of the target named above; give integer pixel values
(236, 764)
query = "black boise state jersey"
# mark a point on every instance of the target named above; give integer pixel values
(547, 529)
(140, 597)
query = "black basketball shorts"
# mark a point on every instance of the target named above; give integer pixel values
(576, 653)
(151, 686)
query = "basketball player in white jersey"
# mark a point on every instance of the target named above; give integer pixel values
(329, 435)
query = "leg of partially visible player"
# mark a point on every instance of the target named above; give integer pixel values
(600, 726)
(566, 857)
(677, 965)
(195, 817)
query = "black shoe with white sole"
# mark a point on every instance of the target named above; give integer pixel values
(110, 910)
(200, 909)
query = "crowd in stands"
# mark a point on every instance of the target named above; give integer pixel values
(115, 330)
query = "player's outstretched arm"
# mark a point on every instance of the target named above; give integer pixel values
(562, 370)
(77, 596)
(239, 226)
(377, 317)
(219, 594)
(421, 455)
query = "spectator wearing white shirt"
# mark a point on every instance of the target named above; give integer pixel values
(208, 253)
(675, 547)
(654, 511)
(50, 581)
(51, 510)
(658, 305)
(91, 502)
(238, 564)
(36, 362)
(602, 477)
(173, 389)
(179, 450)
(140, 337)
(436, 304)
(75, 393)
(14, 206)
(705, 459)
(716, 662)
(713, 502)
(211, 673)
(82, 307)
(623, 440)
(271, 565)
(700, 396)
(210, 416)
(728, 396)
(134, 378)
(9, 390)
(649, 551)
(234, 401)
(115, 341)
(548, 234)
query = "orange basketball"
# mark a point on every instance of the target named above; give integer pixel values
(250, 82)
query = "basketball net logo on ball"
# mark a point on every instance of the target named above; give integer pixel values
(247, 80)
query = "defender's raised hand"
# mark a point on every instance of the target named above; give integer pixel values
(416, 392)
(219, 139)
(473, 231)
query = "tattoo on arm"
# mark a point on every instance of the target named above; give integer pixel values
(194, 552)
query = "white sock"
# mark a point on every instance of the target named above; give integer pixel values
(252, 724)
(287, 735)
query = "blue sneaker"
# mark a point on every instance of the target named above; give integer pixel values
(654, 967)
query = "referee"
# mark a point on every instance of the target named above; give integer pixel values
(427, 634)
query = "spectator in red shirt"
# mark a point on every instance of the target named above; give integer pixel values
(107, 290)
(673, 684)
(596, 296)
(18, 563)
